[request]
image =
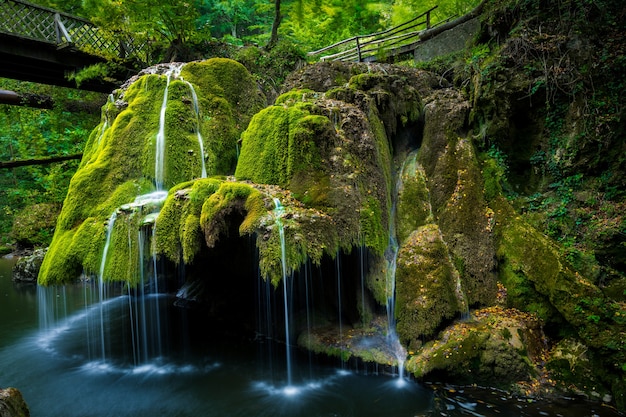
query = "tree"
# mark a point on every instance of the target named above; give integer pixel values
(277, 18)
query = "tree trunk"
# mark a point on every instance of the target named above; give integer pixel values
(39, 161)
(277, 19)
(40, 101)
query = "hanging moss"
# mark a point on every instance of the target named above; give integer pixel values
(178, 230)
(231, 196)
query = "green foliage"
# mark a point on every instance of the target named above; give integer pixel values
(404, 10)
(270, 68)
(34, 225)
(28, 133)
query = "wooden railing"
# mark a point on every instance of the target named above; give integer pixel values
(26, 20)
(374, 46)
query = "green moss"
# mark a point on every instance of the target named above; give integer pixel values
(178, 233)
(413, 206)
(533, 260)
(296, 95)
(491, 348)
(425, 285)
(282, 143)
(118, 163)
(231, 196)
(373, 230)
(228, 97)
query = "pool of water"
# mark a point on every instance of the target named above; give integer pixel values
(62, 372)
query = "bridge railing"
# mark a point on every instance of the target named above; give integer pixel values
(31, 21)
(379, 44)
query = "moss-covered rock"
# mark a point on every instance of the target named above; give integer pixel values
(333, 159)
(119, 158)
(426, 285)
(413, 201)
(12, 403)
(496, 346)
(532, 263)
(457, 194)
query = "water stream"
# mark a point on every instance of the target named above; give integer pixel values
(278, 213)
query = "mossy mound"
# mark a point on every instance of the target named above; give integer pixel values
(499, 347)
(426, 285)
(119, 159)
(333, 159)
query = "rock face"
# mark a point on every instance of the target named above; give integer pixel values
(12, 404)
(27, 268)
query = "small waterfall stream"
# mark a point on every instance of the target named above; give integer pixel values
(278, 213)
(196, 109)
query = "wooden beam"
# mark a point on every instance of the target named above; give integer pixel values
(40, 101)
(39, 161)
(26, 99)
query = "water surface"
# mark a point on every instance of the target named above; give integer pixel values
(61, 371)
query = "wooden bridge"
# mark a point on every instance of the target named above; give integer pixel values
(390, 44)
(43, 45)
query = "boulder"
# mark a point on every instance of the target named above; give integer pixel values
(27, 268)
(12, 403)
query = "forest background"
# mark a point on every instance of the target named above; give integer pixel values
(270, 37)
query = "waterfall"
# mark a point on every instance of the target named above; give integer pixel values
(278, 212)
(160, 141)
(339, 307)
(196, 109)
(159, 163)
(391, 255)
(101, 288)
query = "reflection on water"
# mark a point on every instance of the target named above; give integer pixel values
(61, 371)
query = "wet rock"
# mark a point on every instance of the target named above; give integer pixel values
(496, 346)
(26, 269)
(12, 403)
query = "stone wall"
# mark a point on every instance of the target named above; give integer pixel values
(451, 40)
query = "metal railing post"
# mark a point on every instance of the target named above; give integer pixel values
(358, 49)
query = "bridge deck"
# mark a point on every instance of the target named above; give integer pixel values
(44, 45)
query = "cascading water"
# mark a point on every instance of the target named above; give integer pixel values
(391, 255)
(196, 109)
(159, 163)
(278, 213)
(101, 288)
